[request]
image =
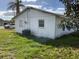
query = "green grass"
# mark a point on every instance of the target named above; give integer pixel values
(14, 46)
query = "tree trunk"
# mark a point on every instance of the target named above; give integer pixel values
(17, 7)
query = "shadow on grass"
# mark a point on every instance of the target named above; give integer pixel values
(71, 40)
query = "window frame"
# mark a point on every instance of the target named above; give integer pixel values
(41, 23)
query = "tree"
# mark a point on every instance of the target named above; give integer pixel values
(72, 15)
(16, 6)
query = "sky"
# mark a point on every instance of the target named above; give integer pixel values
(54, 6)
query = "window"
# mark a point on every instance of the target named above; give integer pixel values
(41, 23)
(20, 23)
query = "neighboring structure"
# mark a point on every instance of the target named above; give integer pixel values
(1, 22)
(41, 23)
(8, 24)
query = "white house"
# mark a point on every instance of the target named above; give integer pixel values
(41, 23)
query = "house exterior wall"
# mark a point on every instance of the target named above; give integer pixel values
(59, 31)
(23, 19)
(49, 25)
(32, 17)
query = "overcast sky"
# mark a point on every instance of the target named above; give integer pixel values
(49, 5)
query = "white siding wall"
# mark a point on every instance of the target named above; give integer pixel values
(59, 32)
(23, 18)
(49, 28)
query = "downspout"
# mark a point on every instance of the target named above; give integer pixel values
(28, 19)
(55, 27)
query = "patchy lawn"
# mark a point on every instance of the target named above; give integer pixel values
(14, 46)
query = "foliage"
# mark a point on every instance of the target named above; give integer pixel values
(13, 46)
(16, 5)
(72, 12)
(70, 24)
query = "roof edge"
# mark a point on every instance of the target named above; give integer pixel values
(36, 9)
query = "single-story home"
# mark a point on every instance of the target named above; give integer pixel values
(41, 23)
(1, 22)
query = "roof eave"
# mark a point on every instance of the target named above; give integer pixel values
(35, 9)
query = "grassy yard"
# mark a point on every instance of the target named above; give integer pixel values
(14, 46)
